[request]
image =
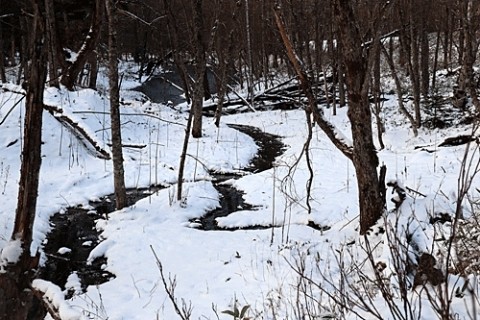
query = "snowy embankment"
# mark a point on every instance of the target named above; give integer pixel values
(218, 270)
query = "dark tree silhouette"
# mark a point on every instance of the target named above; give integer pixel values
(17, 298)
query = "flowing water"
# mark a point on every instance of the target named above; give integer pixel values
(231, 199)
(74, 235)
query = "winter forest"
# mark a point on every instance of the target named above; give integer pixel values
(239, 159)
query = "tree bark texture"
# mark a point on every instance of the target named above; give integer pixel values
(92, 77)
(31, 154)
(466, 79)
(16, 299)
(117, 153)
(365, 160)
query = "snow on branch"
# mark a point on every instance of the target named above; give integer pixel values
(80, 133)
(54, 300)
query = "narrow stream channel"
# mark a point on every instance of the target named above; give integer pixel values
(231, 199)
(74, 235)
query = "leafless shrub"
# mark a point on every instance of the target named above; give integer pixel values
(387, 275)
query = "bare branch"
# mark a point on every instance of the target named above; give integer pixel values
(135, 17)
(185, 311)
(312, 108)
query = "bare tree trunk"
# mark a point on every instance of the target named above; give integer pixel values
(414, 66)
(424, 61)
(334, 63)
(117, 154)
(92, 79)
(198, 90)
(364, 158)
(398, 85)
(319, 36)
(183, 156)
(11, 52)
(446, 39)
(23, 52)
(249, 52)
(221, 80)
(461, 5)
(263, 51)
(376, 90)
(73, 70)
(341, 85)
(425, 8)
(311, 109)
(15, 295)
(52, 43)
(179, 60)
(435, 63)
(3, 76)
(467, 81)
(225, 55)
(363, 153)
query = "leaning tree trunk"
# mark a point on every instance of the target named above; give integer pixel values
(70, 75)
(363, 154)
(16, 298)
(117, 154)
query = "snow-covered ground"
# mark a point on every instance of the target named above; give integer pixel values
(216, 271)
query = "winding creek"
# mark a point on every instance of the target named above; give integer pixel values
(73, 234)
(231, 199)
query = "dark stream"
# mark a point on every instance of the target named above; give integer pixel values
(231, 199)
(74, 235)
(75, 231)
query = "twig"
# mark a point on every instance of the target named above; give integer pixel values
(51, 309)
(199, 161)
(242, 98)
(130, 114)
(415, 191)
(183, 313)
(11, 109)
(134, 16)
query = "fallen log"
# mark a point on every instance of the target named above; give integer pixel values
(457, 141)
(85, 139)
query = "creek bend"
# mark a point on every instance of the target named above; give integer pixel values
(74, 234)
(231, 199)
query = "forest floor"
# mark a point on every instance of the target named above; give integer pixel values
(274, 261)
